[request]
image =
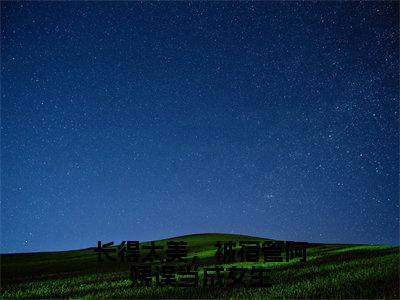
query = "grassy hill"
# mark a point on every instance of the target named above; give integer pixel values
(331, 271)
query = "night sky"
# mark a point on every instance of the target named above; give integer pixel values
(140, 121)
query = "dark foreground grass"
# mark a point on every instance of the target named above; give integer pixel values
(331, 271)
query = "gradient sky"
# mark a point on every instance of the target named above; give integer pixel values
(139, 121)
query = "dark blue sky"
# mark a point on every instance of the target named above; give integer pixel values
(139, 121)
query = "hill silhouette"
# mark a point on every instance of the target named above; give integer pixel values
(331, 271)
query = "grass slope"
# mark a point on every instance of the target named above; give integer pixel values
(331, 271)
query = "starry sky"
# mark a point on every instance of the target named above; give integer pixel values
(140, 121)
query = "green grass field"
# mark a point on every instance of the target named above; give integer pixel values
(331, 271)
